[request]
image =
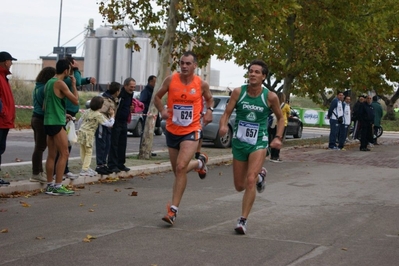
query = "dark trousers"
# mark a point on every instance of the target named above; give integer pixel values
(342, 135)
(332, 142)
(40, 138)
(366, 135)
(275, 153)
(103, 143)
(3, 139)
(117, 151)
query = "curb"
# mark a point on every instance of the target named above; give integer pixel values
(27, 185)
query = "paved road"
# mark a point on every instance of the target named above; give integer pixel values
(20, 144)
(320, 207)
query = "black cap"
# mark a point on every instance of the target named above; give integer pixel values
(6, 56)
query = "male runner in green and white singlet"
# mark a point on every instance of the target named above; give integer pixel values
(253, 103)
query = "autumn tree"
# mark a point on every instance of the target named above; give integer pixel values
(199, 25)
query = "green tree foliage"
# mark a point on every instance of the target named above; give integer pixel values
(309, 45)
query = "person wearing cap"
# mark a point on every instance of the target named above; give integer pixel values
(7, 110)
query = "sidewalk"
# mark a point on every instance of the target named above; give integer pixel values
(18, 174)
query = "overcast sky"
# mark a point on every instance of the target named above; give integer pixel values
(29, 29)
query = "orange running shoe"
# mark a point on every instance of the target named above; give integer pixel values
(204, 169)
(171, 216)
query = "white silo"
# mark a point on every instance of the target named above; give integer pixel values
(153, 61)
(139, 62)
(106, 71)
(92, 57)
(123, 60)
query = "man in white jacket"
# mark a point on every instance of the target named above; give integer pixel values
(343, 128)
(335, 115)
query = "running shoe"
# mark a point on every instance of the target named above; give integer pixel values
(241, 227)
(70, 175)
(62, 190)
(170, 217)
(260, 186)
(92, 171)
(275, 160)
(87, 173)
(38, 178)
(49, 190)
(204, 169)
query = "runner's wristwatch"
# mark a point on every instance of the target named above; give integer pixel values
(210, 108)
(278, 137)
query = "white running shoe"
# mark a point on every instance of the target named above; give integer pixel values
(241, 227)
(71, 175)
(260, 186)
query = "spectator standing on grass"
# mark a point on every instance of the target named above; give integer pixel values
(377, 117)
(117, 151)
(37, 124)
(7, 104)
(355, 117)
(343, 128)
(55, 117)
(366, 117)
(90, 120)
(335, 115)
(73, 109)
(103, 133)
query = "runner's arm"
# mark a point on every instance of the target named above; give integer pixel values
(223, 128)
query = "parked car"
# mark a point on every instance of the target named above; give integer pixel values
(295, 125)
(136, 124)
(211, 131)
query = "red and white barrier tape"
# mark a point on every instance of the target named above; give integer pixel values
(80, 110)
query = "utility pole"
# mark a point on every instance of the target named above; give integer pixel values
(62, 51)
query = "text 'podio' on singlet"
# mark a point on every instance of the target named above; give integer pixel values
(251, 120)
(185, 105)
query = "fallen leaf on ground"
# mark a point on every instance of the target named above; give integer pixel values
(91, 210)
(90, 237)
(18, 160)
(40, 238)
(344, 249)
(24, 204)
(81, 204)
(86, 240)
(3, 210)
(4, 230)
(134, 193)
(117, 190)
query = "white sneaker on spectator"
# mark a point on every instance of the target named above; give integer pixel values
(71, 175)
(92, 171)
(86, 173)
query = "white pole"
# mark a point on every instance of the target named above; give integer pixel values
(59, 26)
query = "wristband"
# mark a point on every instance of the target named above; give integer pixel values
(278, 137)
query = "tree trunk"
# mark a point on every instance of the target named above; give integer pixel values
(389, 102)
(148, 134)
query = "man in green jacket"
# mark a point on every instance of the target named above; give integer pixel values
(377, 116)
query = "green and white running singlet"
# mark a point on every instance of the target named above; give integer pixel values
(250, 128)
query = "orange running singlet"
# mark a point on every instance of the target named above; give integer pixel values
(185, 105)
